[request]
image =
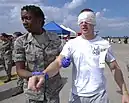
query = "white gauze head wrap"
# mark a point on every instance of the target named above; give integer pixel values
(88, 17)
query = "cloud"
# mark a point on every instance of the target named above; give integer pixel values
(113, 25)
(113, 22)
(71, 21)
(20, 1)
(53, 13)
(119, 25)
(101, 13)
(10, 16)
(74, 4)
(12, 3)
(15, 12)
(59, 15)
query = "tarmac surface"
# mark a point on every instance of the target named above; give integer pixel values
(121, 52)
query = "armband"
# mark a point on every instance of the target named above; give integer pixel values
(37, 73)
(41, 73)
(46, 75)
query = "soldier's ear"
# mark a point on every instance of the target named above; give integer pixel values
(41, 21)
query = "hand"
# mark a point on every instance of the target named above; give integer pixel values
(65, 62)
(125, 98)
(35, 82)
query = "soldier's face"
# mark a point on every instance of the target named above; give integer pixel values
(14, 37)
(3, 38)
(30, 22)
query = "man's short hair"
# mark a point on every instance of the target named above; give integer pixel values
(86, 9)
(17, 34)
(35, 10)
(5, 35)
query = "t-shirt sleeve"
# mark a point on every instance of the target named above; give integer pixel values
(110, 55)
(19, 52)
(67, 50)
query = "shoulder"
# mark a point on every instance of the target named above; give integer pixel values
(74, 41)
(25, 36)
(102, 41)
(21, 39)
(52, 36)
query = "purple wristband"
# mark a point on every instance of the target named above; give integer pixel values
(37, 73)
(41, 73)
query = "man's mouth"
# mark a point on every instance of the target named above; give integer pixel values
(85, 29)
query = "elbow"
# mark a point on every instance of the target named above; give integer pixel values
(58, 63)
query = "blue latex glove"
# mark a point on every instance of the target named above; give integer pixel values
(66, 62)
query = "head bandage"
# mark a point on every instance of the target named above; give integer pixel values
(88, 17)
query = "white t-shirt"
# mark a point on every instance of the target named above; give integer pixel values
(88, 59)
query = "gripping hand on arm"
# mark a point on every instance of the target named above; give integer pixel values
(37, 80)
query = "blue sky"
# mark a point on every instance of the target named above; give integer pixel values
(112, 15)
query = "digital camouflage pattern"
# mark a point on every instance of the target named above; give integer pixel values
(38, 55)
(6, 56)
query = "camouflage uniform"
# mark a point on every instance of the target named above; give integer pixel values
(6, 56)
(38, 56)
(1, 57)
(20, 81)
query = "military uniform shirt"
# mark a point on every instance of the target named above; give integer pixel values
(38, 51)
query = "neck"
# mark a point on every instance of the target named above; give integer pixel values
(39, 32)
(88, 37)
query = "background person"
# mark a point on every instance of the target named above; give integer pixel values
(6, 54)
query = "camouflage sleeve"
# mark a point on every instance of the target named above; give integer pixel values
(19, 51)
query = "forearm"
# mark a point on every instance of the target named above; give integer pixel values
(53, 68)
(24, 73)
(21, 71)
(118, 76)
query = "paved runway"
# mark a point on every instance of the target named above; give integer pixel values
(121, 52)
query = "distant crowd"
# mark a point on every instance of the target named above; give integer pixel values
(7, 55)
(119, 40)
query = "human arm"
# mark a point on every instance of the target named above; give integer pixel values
(21, 71)
(54, 67)
(118, 76)
(19, 58)
(35, 82)
(51, 70)
(65, 53)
